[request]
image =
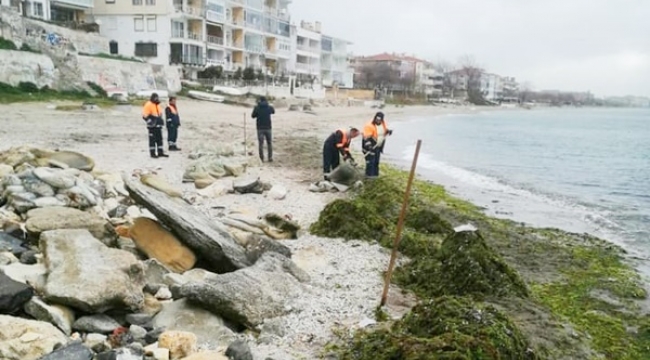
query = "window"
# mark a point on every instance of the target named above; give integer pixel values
(151, 24)
(151, 2)
(138, 23)
(110, 1)
(146, 49)
(112, 45)
(38, 9)
(136, 2)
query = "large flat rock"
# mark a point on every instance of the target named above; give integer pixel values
(87, 275)
(209, 239)
(57, 218)
(22, 339)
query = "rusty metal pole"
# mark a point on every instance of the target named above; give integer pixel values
(245, 138)
(400, 225)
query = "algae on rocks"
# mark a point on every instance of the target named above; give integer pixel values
(444, 328)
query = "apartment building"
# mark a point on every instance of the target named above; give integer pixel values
(335, 64)
(229, 33)
(428, 80)
(402, 71)
(52, 10)
(307, 43)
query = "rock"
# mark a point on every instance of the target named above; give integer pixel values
(58, 218)
(22, 339)
(98, 323)
(239, 350)
(6, 170)
(234, 167)
(209, 329)
(154, 272)
(179, 343)
(11, 244)
(203, 183)
(158, 243)
(33, 275)
(250, 295)
(161, 354)
(133, 212)
(138, 333)
(214, 190)
(73, 351)
(119, 354)
(59, 316)
(205, 168)
(207, 238)
(278, 192)
(247, 186)
(13, 294)
(153, 335)
(87, 275)
(97, 342)
(207, 355)
(35, 186)
(140, 319)
(257, 245)
(29, 257)
(7, 258)
(111, 204)
(160, 184)
(56, 178)
(163, 293)
(119, 212)
(151, 305)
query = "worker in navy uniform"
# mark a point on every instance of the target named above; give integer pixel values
(335, 146)
(173, 123)
(152, 115)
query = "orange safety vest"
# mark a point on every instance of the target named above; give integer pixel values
(345, 141)
(151, 109)
(370, 130)
(173, 109)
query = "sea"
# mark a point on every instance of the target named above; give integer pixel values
(577, 169)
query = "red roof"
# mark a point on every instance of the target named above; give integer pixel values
(390, 57)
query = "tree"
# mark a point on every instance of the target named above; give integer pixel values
(443, 68)
(378, 74)
(525, 92)
(211, 72)
(471, 73)
(260, 74)
(248, 74)
(238, 74)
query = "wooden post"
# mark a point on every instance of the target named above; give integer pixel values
(245, 138)
(400, 225)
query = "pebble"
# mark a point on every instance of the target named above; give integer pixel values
(163, 293)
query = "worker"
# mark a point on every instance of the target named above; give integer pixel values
(338, 143)
(262, 112)
(152, 115)
(173, 123)
(374, 138)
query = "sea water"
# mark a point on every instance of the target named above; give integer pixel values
(578, 169)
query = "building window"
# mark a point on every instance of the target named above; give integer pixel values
(151, 24)
(136, 2)
(112, 45)
(138, 23)
(151, 2)
(38, 9)
(110, 1)
(146, 49)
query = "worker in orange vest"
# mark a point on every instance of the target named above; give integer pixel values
(374, 138)
(152, 115)
(338, 143)
(173, 123)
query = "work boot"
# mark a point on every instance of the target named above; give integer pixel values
(162, 154)
(154, 155)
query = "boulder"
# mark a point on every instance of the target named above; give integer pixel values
(56, 178)
(154, 272)
(22, 339)
(210, 240)
(209, 329)
(57, 218)
(57, 315)
(179, 343)
(13, 294)
(239, 350)
(257, 245)
(158, 243)
(85, 274)
(6, 170)
(7, 258)
(99, 323)
(250, 295)
(11, 244)
(33, 275)
(73, 351)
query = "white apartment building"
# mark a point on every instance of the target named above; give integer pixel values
(335, 64)
(229, 33)
(427, 79)
(307, 43)
(52, 10)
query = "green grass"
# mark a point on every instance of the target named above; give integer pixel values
(111, 57)
(573, 281)
(29, 92)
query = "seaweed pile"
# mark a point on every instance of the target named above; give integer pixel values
(505, 291)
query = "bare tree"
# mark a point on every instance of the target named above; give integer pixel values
(471, 73)
(525, 92)
(444, 68)
(378, 75)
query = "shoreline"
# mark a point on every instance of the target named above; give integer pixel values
(346, 275)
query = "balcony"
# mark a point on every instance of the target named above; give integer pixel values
(187, 59)
(190, 10)
(309, 68)
(255, 49)
(74, 3)
(215, 40)
(308, 48)
(218, 62)
(195, 36)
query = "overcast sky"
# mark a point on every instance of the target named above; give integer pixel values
(597, 45)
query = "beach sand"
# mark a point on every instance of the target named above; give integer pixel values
(345, 276)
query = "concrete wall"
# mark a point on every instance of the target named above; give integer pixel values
(358, 94)
(20, 29)
(21, 66)
(128, 75)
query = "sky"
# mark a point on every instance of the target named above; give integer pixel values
(602, 46)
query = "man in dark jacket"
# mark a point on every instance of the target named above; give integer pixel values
(173, 123)
(338, 143)
(262, 113)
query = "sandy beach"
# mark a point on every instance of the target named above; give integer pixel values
(346, 282)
